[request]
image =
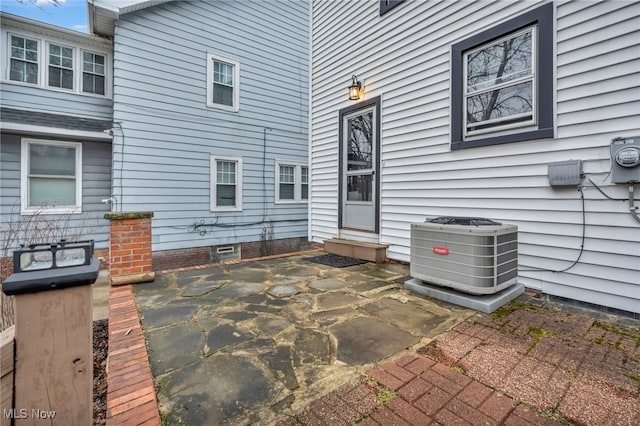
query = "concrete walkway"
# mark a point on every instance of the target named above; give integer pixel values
(287, 341)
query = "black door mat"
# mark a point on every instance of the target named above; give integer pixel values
(335, 260)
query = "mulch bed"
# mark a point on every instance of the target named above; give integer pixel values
(100, 351)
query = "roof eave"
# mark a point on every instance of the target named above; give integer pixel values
(104, 13)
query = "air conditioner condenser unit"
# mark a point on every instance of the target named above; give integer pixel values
(472, 255)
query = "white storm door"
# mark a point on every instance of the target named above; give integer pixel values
(359, 159)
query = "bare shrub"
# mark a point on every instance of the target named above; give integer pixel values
(266, 239)
(35, 228)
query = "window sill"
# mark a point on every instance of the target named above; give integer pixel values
(222, 209)
(53, 210)
(222, 107)
(546, 133)
(292, 202)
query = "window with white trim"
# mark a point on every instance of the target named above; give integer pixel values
(93, 73)
(24, 60)
(292, 182)
(226, 183)
(502, 82)
(56, 65)
(223, 88)
(304, 183)
(51, 176)
(60, 72)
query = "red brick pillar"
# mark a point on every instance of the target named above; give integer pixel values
(130, 247)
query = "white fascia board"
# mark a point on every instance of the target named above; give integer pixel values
(120, 7)
(112, 6)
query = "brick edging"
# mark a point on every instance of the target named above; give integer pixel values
(131, 396)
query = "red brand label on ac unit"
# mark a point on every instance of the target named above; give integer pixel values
(441, 250)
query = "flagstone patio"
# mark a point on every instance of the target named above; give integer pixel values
(290, 342)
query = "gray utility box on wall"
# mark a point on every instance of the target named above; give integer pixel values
(565, 173)
(473, 255)
(625, 160)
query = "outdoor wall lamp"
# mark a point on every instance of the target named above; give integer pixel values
(354, 89)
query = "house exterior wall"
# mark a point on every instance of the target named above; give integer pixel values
(96, 180)
(165, 135)
(40, 97)
(404, 57)
(38, 112)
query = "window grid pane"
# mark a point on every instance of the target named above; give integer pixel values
(225, 172)
(223, 73)
(24, 60)
(60, 66)
(287, 174)
(93, 73)
(304, 175)
(223, 84)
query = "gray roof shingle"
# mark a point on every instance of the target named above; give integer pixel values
(34, 118)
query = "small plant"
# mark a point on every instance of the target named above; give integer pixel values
(458, 369)
(539, 334)
(385, 395)
(266, 239)
(501, 313)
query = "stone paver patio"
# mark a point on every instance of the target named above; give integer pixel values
(251, 342)
(290, 342)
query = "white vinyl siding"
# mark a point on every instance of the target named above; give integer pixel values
(595, 99)
(51, 176)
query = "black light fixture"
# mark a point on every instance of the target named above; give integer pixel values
(354, 89)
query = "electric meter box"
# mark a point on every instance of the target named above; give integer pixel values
(625, 160)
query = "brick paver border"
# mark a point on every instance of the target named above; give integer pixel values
(131, 396)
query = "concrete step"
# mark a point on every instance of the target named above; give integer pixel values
(356, 249)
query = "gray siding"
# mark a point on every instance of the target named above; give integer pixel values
(404, 57)
(56, 102)
(96, 186)
(166, 134)
(46, 99)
